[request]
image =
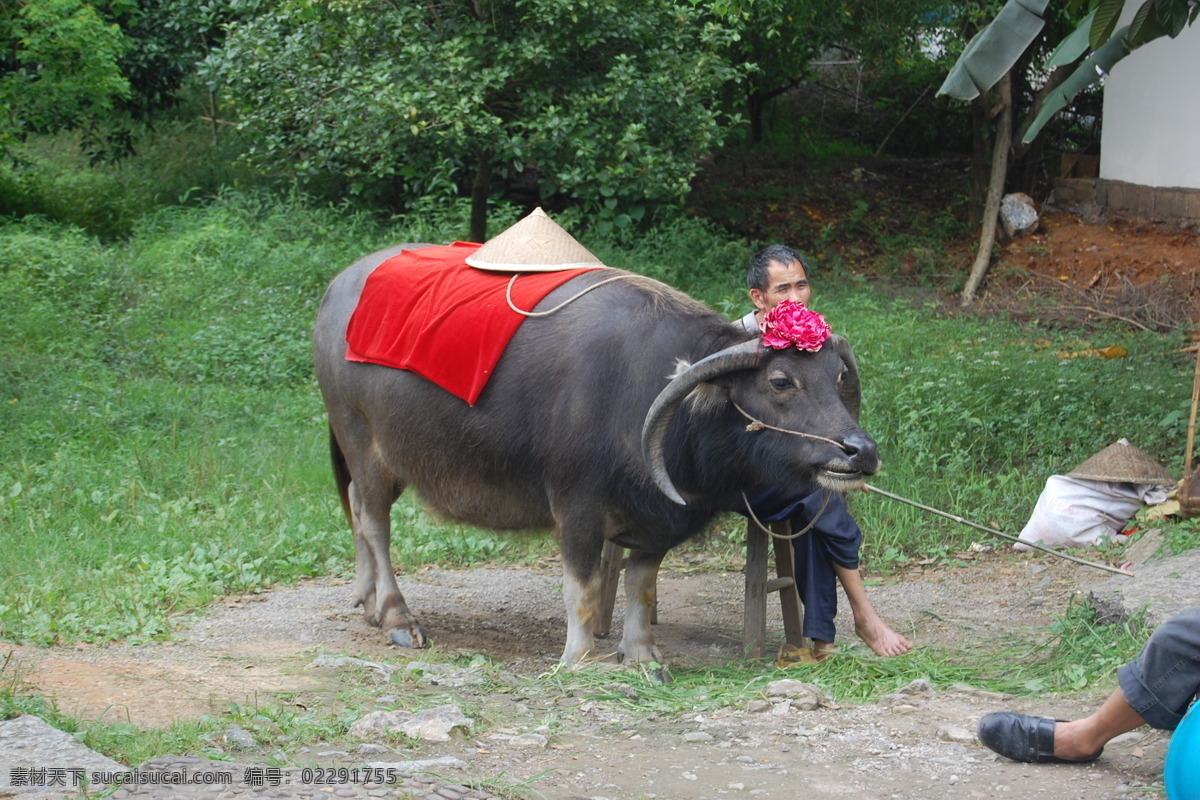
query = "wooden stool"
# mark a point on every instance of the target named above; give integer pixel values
(758, 586)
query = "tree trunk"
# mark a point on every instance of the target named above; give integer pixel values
(480, 189)
(212, 112)
(991, 209)
(755, 103)
(756, 108)
(977, 194)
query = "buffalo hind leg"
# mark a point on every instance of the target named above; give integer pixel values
(375, 583)
(641, 597)
(364, 574)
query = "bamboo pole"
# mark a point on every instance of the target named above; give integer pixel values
(1189, 502)
(1191, 437)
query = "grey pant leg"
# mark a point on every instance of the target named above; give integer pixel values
(1162, 681)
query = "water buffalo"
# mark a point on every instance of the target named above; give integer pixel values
(615, 418)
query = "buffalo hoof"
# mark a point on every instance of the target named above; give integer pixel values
(655, 673)
(653, 670)
(408, 638)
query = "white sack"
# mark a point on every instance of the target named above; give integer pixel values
(1078, 513)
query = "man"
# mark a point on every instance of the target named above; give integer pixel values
(1156, 688)
(828, 552)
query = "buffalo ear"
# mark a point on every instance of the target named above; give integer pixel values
(708, 398)
(851, 388)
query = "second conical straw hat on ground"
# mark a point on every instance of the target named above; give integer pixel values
(1121, 462)
(535, 243)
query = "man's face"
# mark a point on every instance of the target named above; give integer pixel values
(784, 282)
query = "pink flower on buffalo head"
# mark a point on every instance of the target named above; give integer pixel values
(791, 323)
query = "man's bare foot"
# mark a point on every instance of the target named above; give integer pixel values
(880, 638)
(821, 649)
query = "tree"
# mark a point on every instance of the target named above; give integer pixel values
(608, 103)
(781, 40)
(58, 67)
(1081, 58)
(168, 39)
(95, 66)
(1094, 47)
(778, 40)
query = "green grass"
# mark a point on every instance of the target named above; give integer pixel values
(165, 445)
(1183, 536)
(1076, 655)
(973, 415)
(165, 442)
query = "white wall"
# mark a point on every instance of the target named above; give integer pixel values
(1151, 127)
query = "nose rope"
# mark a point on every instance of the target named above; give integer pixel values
(786, 537)
(758, 425)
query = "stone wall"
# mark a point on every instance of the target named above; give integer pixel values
(1158, 204)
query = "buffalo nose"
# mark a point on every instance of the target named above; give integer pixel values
(862, 452)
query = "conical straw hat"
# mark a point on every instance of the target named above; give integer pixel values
(534, 244)
(1121, 462)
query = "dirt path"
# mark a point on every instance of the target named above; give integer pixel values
(261, 650)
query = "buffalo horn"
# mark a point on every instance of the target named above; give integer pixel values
(662, 411)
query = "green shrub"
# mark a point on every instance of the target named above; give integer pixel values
(177, 162)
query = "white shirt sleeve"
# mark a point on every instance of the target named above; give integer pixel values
(749, 324)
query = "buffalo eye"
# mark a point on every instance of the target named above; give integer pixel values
(781, 384)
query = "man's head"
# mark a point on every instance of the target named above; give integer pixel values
(777, 273)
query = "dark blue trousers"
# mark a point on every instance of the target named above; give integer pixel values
(834, 538)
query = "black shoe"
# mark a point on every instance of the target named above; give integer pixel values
(1023, 738)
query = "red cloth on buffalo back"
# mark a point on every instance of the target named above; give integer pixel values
(427, 311)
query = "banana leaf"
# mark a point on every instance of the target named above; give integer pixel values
(1095, 66)
(1072, 47)
(1107, 12)
(994, 50)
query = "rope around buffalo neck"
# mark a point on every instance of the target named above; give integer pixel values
(786, 537)
(560, 306)
(758, 425)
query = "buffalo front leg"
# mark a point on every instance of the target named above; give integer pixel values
(582, 597)
(641, 598)
(375, 583)
(582, 589)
